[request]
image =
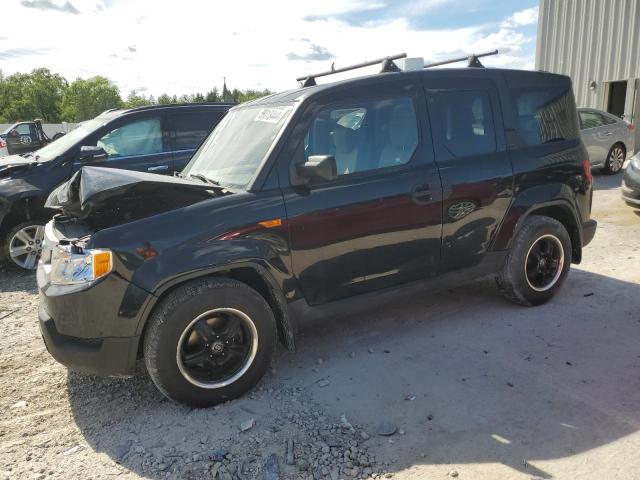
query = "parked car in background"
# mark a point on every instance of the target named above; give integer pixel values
(631, 182)
(24, 137)
(159, 139)
(299, 203)
(3, 146)
(609, 139)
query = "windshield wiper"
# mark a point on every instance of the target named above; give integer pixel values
(204, 179)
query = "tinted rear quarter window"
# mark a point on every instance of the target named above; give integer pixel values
(191, 128)
(545, 114)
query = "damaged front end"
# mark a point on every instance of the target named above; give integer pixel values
(105, 197)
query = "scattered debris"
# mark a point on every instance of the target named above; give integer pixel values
(345, 423)
(510, 384)
(410, 398)
(386, 429)
(371, 350)
(217, 455)
(323, 382)
(72, 450)
(569, 363)
(21, 404)
(247, 425)
(290, 459)
(589, 294)
(271, 468)
(453, 473)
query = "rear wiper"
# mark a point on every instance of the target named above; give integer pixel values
(204, 179)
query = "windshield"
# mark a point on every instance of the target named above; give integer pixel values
(235, 149)
(61, 145)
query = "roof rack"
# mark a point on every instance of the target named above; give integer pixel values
(472, 60)
(387, 66)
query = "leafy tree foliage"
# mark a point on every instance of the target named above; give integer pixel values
(46, 95)
(84, 99)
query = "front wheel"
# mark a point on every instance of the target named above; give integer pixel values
(538, 262)
(23, 244)
(209, 341)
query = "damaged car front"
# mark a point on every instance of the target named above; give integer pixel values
(122, 238)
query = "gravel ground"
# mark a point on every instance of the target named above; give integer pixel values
(474, 387)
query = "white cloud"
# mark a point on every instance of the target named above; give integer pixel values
(528, 16)
(141, 43)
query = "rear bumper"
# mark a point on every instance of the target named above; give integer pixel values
(98, 356)
(588, 231)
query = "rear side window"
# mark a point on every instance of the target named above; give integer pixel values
(23, 129)
(365, 135)
(591, 119)
(466, 122)
(545, 115)
(191, 128)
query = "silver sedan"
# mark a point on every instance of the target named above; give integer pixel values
(609, 139)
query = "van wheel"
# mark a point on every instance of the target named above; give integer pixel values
(615, 159)
(538, 262)
(23, 244)
(209, 341)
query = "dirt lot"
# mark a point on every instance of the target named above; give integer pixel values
(477, 388)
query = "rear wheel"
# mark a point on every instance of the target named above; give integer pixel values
(615, 159)
(209, 341)
(23, 244)
(538, 262)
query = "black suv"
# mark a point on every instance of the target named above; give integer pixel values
(309, 201)
(158, 139)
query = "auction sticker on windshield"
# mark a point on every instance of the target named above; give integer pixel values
(271, 115)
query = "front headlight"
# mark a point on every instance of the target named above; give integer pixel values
(72, 266)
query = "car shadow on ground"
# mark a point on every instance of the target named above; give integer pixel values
(469, 377)
(604, 181)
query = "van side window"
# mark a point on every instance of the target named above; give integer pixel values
(467, 126)
(192, 127)
(366, 135)
(545, 115)
(140, 137)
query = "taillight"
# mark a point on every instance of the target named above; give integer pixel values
(632, 128)
(2, 143)
(587, 171)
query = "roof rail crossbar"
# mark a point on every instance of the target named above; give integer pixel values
(387, 66)
(472, 60)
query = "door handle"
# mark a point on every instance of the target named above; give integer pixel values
(608, 134)
(158, 168)
(421, 194)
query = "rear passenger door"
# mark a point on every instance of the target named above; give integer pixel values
(379, 222)
(188, 130)
(597, 134)
(470, 151)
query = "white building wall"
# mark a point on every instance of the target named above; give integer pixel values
(593, 41)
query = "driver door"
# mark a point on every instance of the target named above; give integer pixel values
(138, 143)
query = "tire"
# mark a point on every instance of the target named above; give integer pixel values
(523, 278)
(615, 159)
(23, 245)
(175, 327)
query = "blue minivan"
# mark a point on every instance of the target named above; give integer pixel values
(157, 139)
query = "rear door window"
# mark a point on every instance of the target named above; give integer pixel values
(464, 122)
(591, 119)
(191, 128)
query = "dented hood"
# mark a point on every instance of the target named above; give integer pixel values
(109, 196)
(13, 163)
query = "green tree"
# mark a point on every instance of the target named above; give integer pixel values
(32, 95)
(85, 99)
(212, 95)
(135, 100)
(198, 98)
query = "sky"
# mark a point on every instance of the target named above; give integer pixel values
(189, 46)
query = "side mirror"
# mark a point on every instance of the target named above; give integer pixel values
(91, 153)
(318, 167)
